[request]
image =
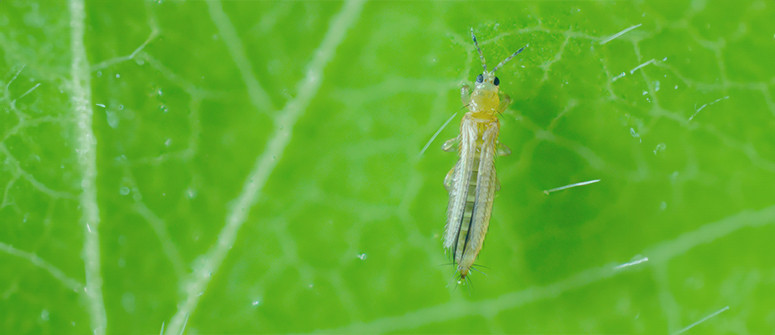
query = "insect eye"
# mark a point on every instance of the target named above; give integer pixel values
(496, 81)
(479, 79)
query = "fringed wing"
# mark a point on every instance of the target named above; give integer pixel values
(471, 192)
(461, 180)
(485, 193)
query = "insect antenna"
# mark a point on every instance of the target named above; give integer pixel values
(509, 58)
(481, 56)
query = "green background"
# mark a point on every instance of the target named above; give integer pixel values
(343, 233)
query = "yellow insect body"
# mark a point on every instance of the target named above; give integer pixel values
(472, 182)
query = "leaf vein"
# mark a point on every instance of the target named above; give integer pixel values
(86, 152)
(196, 284)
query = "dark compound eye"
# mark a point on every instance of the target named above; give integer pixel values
(496, 81)
(479, 79)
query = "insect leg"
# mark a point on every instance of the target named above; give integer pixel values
(448, 179)
(505, 102)
(503, 150)
(450, 144)
(465, 94)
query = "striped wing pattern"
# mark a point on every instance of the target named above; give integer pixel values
(471, 192)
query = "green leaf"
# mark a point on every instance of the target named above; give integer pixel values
(258, 167)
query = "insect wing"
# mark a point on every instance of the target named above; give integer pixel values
(461, 178)
(485, 193)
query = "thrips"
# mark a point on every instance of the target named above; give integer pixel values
(472, 182)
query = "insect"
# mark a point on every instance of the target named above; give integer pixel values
(472, 181)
